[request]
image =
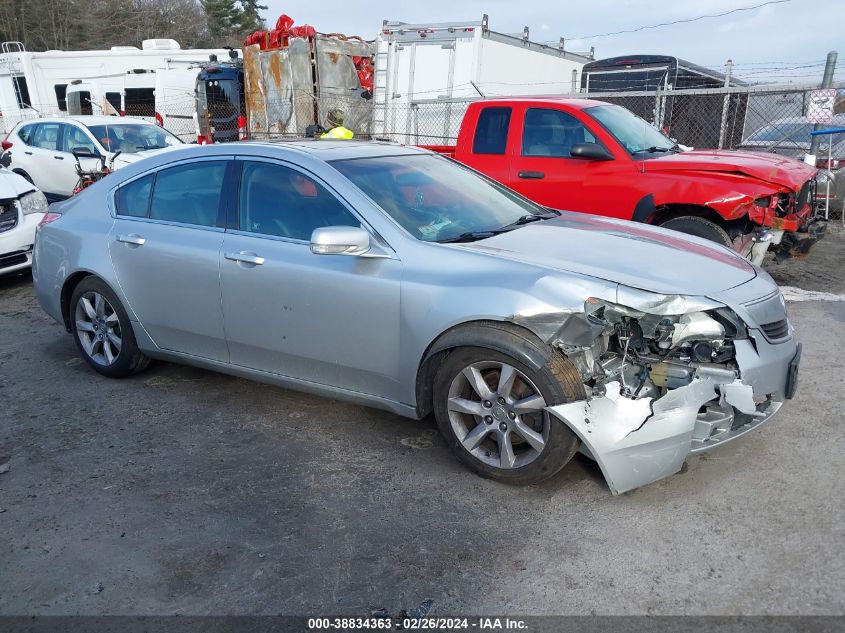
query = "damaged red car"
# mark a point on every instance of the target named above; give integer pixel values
(595, 157)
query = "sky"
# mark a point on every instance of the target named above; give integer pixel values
(785, 42)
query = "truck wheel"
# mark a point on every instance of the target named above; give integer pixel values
(700, 227)
(491, 410)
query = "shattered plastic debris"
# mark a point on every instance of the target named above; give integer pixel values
(4, 468)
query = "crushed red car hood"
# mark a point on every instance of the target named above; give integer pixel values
(779, 170)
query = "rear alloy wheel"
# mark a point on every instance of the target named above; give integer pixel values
(102, 331)
(700, 227)
(491, 409)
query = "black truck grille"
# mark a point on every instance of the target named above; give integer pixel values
(8, 216)
(776, 330)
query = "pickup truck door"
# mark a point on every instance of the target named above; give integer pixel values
(542, 168)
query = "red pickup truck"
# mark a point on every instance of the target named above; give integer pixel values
(594, 157)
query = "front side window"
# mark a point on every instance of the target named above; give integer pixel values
(189, 194)
(133, 199)
(636, 135)
(436, 199)
(491, 131)
(276, 200)
(76, 139)
(130, 138)
(46, 136)
(548, 132)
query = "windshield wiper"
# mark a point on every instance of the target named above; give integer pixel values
(531, 217)
(654, 148)
(470, 236)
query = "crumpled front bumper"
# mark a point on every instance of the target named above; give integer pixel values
(637, 442)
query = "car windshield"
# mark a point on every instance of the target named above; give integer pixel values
(437, 200)
(130, 138)
(635, 134)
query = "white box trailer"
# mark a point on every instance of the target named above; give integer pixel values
(35, 84)
(166, 97)
(419, 68)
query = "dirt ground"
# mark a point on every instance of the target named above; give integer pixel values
(180, 491)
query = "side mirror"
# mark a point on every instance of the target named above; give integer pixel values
(6, 159)
(590, 151)
(366, 95)
(340, 240)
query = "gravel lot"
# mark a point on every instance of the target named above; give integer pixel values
(182, 491)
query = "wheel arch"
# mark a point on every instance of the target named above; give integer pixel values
(23, 174)
(70, 284)
(501, 336)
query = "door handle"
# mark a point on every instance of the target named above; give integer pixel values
(59, 157)
(132, 238)
(28, 153)
(532, 175)
(245, 258)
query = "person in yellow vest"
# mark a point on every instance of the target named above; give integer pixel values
(335, 118)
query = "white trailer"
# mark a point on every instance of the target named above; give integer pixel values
(421, 68)
(35, 84)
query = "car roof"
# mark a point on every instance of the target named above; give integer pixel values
(89, 119)
(575, 104)
(330, 150)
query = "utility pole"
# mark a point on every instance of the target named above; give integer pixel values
(827, 82)
(726, 101)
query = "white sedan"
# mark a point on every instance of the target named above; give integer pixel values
(21, 209)
(41, 150)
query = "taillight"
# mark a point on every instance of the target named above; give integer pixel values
(241, 128)
(159, 119)
(49, 217)
(6, 145)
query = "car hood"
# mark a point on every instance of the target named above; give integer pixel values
(635, 255)
(772, 168)
(12, 185)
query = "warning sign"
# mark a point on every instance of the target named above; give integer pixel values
(820, 106)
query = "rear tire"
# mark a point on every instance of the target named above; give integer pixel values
(102, 331)
(490, 408)
(700, 227)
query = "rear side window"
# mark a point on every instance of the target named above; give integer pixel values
(46, 136)
(491, 132)
(133, 199)
(21, 92)
(189, 194)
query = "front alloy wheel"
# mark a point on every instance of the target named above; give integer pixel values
(491, 410)
(497, 413)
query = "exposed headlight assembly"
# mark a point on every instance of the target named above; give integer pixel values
(33, 202)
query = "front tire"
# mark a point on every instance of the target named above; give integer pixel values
(700, 227)
(491, 410)
(102, 331)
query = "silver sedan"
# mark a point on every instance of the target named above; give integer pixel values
(398, 279)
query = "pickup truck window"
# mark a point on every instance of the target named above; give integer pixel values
(491, 133)
(548, 132)
(636, 135)
(436, 199)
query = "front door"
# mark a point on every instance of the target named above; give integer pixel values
(543, 169)
(165, 246)
(327, 319)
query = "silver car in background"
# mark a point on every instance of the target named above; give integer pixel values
(396, 278)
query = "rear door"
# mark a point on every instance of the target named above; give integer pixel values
(165, 247)
(48, 166)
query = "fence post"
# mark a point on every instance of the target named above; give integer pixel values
(723, 126)
(827, 82)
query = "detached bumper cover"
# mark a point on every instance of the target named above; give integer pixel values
(637, 442)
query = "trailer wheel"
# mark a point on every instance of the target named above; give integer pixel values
(700, 227)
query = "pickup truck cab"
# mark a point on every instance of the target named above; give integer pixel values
(595, 157)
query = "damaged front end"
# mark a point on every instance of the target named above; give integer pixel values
(666, 376)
